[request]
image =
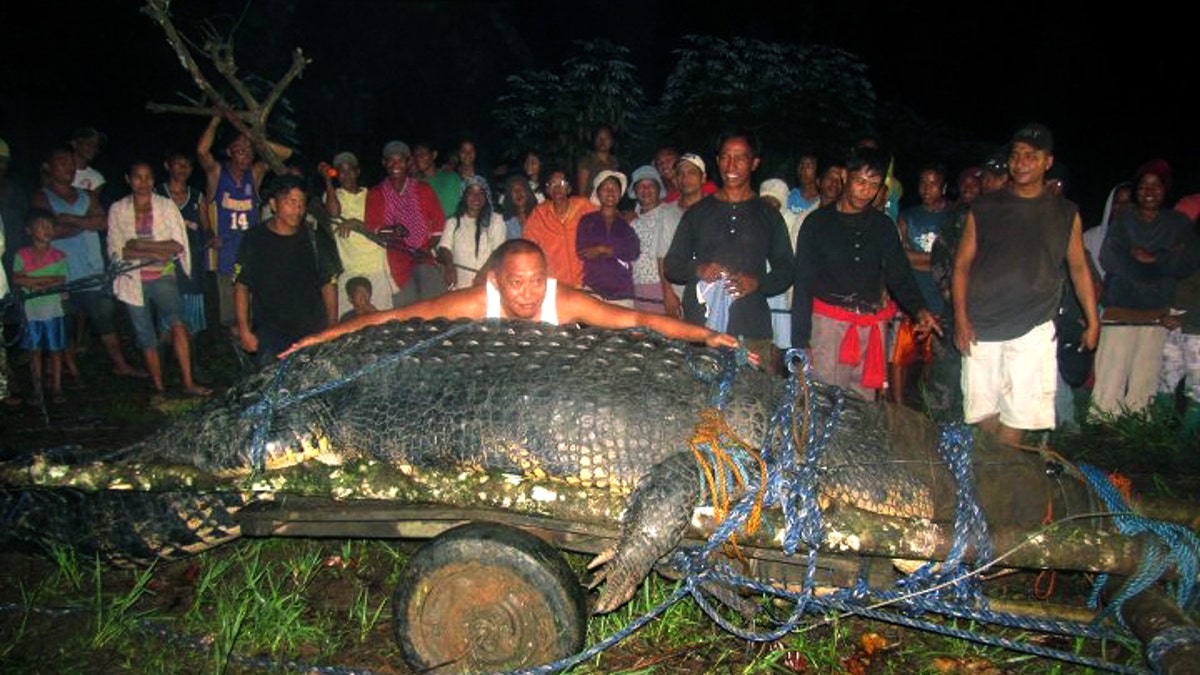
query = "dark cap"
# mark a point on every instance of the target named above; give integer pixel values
(89, 132)
(970, 172)
(1158, 167)
(997, 165)
(1036, 136)
(396, 149)
(1058, 171)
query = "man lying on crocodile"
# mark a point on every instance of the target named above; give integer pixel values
(518, 287)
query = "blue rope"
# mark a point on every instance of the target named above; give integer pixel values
(1176, 547)
(970, 526)
(1169, 639)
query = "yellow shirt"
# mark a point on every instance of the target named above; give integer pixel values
(359, 255)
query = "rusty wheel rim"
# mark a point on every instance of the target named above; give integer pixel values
(482, 616)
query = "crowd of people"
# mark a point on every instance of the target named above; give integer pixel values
(983, 300)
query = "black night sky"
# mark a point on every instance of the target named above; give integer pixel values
(1114, 87)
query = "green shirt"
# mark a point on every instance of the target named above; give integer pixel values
(447, 185)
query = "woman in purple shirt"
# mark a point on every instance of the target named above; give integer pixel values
(607, 244)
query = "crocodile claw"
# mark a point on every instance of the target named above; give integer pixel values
(653, 525)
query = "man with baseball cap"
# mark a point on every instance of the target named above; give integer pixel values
(1006, 288)
(361, 255)
(995, 173)
(691, 178)
(408, 212)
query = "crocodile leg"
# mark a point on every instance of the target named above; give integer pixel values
(653, 525)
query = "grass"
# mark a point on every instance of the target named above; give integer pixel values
(363, 616)
(258, 605)
(1152, 431)
(67, 564)
(263, 608)
(115, 615)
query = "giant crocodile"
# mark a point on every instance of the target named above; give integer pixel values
(604, 421)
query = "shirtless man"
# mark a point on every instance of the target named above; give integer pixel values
(518, 287)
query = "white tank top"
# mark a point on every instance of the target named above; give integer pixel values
(549, 313)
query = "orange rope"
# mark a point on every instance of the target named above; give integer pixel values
(1123, 485)
(1046, 576)
(714, 433)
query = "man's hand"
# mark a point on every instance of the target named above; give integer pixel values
(672, 305)
(316, 339)
(741, 285)
(964, 335)
(301, 344)
(710, 272)
(1091, 337)
(248, 340)
(716, 340)
(927, 323)
(596, 252)
(1143, 256)
(347, 225)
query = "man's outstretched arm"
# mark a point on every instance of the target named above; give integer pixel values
(577, 306)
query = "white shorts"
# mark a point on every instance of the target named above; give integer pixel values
(1013, 378)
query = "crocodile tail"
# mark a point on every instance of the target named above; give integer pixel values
(119, 526)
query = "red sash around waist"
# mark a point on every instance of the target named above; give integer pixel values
(850, 352)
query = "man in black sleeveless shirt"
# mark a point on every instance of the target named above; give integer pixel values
(1006, 288)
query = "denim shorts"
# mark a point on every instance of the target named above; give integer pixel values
(194, 319)
(45, 334)
(159, 297)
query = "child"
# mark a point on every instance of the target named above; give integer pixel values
(358, 289)
(37, 267)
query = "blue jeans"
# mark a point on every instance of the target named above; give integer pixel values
(161, 297)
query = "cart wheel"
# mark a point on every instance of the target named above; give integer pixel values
(485, 597)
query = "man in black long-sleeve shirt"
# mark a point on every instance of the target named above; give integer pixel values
(848, 260)
(735, 246)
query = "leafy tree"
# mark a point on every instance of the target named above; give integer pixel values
(557, 111)
(791, 96)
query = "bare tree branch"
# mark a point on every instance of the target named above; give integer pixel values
(159, 10)
(197, 110)
(221, 54)
(298, 64)
(252, 120)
